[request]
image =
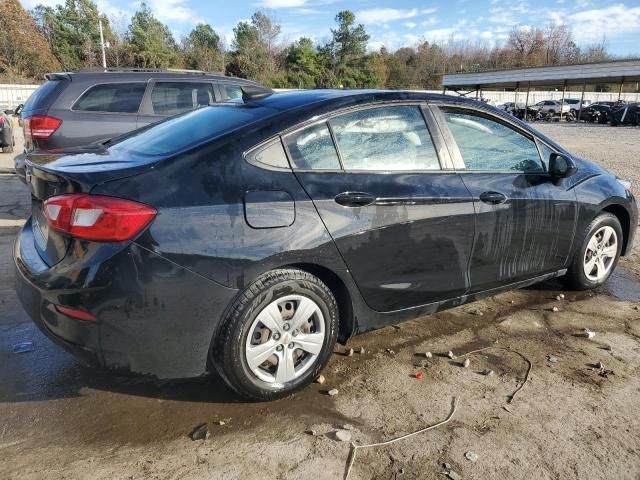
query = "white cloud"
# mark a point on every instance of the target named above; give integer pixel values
(282, 3)
(410, 25)
(174, 11)
(443, 34)
(613, 21)
(383, 15)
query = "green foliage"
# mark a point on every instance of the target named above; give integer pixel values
(150, 41)
(258, 54)
(202, 49)
(72, 30)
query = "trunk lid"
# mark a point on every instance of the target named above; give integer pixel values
(78, 170)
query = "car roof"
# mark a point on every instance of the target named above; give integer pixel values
(293, 99)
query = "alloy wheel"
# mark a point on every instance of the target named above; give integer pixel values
(600, 254)
(285, 339)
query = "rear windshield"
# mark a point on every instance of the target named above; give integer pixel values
(39, 98)
(187, 130)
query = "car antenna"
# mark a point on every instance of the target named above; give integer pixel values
(255, 92)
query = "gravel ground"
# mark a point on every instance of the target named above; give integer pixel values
(570, 421)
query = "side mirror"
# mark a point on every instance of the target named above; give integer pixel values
(8, 112)
(561, 166)
(19, 109)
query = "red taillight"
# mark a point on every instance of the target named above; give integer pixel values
(41, 127)
(1, 121)
(76, 314)
(97, 217)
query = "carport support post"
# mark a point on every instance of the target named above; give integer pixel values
(526, 101)
(584, 87)
(564, 91)
(516, 95)
(620, 89)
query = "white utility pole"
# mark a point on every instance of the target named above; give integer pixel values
(104, 56)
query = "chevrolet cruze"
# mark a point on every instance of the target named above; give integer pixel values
(248, 238)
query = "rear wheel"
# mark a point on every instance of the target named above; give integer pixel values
(598, 254)
(277, 336)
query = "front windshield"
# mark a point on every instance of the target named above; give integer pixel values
(187, 130)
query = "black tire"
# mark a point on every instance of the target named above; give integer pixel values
(575, 278)
(228, 347)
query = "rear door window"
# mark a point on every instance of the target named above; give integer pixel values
(170, 98)
(113, 98)
(385, 139)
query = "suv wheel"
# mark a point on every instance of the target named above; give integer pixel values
(278, 335)
(598, 254)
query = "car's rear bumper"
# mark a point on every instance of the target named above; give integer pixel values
(153, 317)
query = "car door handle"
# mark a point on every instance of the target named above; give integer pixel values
(493, 198)
(354, 199)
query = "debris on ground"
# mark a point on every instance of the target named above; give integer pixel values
(552, 359)
(487, 372)
(606, 373)
(475, 311)
(201, 432)
(471, 456)
(599, 366)
(466, 363)
(350, 352)
(362, 351)
(419, 362)
(505, 407)
(555, 309)
(428, 355)
(333, 392)
(450, 354)
(390, 352)
(354, 447)
(507, 349)
(23, 347)
(321, 379)
(585, 333)
(558, 297)
(453, 475)
(419, 376)
(347, 426)
(221, 423)
(343, 435)
(561, 296)
(313, 433)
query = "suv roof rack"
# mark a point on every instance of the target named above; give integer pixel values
(144, 70)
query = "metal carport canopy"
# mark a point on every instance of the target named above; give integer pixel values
(622, 71)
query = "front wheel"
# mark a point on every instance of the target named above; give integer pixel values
(598, 254)
(277, 336)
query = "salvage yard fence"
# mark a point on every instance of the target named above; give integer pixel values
(12, 95)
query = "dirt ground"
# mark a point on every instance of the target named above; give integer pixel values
(62, 420)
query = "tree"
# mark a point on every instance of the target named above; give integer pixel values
(203, 49)
(346, 53)
(150, 41)
(73, 32)
(254, 49)
(302, 64)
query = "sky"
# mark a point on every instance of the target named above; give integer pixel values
(397, 23)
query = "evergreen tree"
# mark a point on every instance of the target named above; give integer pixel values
(150, 41)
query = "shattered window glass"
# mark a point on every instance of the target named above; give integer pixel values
(312, 148)
(489, 145)
(385, 138)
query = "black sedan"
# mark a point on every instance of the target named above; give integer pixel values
(249, 238)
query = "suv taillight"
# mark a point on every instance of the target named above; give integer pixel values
(97, 217)
(41, 127)
(1, 121)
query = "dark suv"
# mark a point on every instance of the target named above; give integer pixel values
(79, 108)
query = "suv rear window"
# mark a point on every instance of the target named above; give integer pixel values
(39, 98)
(113, 98)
